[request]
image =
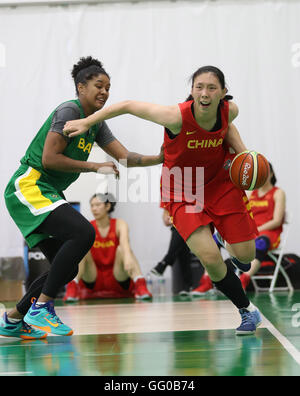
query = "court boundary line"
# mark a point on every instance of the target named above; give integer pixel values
(287, 345)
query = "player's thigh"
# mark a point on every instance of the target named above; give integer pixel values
(202, 244)
(118, 270)
(89, 271)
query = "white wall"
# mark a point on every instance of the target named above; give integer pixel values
(150, 50)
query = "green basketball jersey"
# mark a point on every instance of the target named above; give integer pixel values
(78, 148)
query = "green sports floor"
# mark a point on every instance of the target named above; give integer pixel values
(166, 337)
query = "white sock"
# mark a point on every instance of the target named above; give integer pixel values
(138, 277)
(251, 308)
(40, 304)
(12, 320)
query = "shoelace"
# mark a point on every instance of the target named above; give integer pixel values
(51, 310)
(26, 327)
(246, 318)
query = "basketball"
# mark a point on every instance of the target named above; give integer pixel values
(249, 170)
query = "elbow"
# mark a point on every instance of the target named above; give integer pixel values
(46, 162)
(277, 223)
(127, 106)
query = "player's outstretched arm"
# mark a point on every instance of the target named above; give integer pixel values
(167, 116)
(130, 159)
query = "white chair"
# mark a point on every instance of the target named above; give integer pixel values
(276, 255)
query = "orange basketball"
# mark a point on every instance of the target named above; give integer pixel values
(249, 170)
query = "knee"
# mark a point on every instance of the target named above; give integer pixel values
(91, 235)
(245, 252)
(210, 260)
(262, 244)
(246, 256)
(119, 251)
(72, 276)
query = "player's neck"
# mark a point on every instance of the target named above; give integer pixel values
(103, 223)
(86, 108)
(205, 120)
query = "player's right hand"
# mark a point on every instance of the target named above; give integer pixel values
(108, 168)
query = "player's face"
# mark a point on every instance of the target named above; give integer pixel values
(96, 92)
(98, 208)
(207, 93)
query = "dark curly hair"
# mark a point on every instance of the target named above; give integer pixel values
(107, 198)
(86, 69)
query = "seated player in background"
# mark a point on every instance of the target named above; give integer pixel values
(110, 269)
(268, 205)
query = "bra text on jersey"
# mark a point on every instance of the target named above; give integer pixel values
(83, 146)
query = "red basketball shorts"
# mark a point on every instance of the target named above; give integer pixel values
(233, 227)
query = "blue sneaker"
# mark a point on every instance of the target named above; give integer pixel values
(250, 322)
(44, 318)
(19, 330)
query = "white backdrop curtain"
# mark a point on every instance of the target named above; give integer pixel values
(150, 50)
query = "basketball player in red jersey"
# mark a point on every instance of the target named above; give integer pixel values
(268, 205)
(198, 134)
(110, 269)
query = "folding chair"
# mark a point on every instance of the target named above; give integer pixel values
(276, 255)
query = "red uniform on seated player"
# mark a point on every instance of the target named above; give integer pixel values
(110, 269)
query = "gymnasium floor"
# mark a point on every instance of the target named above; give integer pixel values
(166, 337)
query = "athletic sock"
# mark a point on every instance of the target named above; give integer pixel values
(40, 304)
(232, 288)
(13, 321)
(251, 308)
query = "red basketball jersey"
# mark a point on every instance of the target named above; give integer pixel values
(195, 148)
(104, 249)
(263, 207)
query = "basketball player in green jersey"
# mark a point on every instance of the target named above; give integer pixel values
(35, 200)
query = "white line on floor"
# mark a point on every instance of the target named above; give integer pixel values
(288, 346)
